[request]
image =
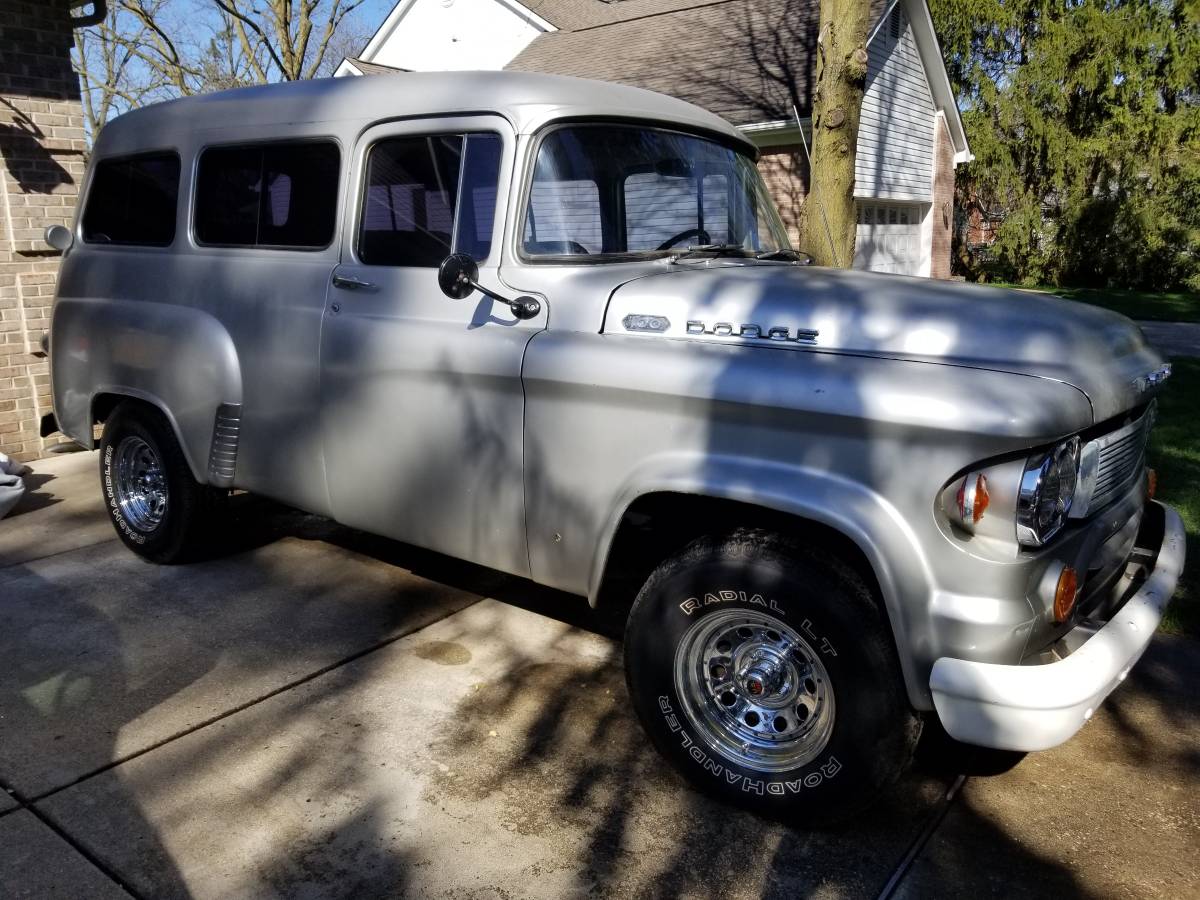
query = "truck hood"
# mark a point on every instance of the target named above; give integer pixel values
(1101, 353)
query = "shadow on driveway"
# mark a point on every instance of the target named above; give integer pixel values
(451, 747)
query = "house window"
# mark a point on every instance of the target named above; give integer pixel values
(133, 201)
(429, 196)
(282, 196)
(889, 214)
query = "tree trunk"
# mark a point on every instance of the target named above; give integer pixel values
(841, 74)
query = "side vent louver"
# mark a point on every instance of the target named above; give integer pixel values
(222, 458)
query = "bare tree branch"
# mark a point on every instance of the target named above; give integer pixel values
(244, 21)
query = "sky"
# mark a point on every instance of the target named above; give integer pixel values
(371, 14)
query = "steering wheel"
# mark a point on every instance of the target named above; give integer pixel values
(699, 233)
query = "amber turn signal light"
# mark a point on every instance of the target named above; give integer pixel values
(1065, 594)
(1151, 483)
(972, 499)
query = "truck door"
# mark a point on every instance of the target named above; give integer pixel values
(421, 402)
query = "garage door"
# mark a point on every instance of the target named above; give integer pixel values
(889, 238)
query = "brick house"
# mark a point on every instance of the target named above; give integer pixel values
(42, 152)
(750, 61)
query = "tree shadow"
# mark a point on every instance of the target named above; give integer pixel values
(31, 165)
(63, 666)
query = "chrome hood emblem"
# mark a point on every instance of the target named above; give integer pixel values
(754, 332)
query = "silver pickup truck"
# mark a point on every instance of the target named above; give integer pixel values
(554, 327)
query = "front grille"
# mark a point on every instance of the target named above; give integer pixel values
(1122, 456)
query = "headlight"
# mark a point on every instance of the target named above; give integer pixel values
(1047, 490)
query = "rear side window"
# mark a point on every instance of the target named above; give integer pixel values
(132, 201)
(268, 195)
(427, 197)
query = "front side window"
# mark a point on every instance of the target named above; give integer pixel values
(617, 191)
(429, 196)
(268, 195)
(132, 201)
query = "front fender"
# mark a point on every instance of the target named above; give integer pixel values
(850, 508)
(180, 359)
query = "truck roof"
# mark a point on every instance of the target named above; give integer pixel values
(527, 100)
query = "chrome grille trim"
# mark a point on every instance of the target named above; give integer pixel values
(1121, 456)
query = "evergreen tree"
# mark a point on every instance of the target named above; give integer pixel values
(1084, 117)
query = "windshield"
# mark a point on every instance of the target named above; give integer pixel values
(604, 192)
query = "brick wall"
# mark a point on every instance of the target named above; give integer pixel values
(943, 202)
(786, 175)
(41, 165)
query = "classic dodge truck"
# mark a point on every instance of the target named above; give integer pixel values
(554, 327)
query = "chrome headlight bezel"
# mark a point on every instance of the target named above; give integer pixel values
(1047, 493)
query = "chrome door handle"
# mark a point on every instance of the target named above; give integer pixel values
(350, 283)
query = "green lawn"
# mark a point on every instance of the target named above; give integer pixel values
(1175, 454)
(1149, 305)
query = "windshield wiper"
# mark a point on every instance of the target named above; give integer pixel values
(713, 250)
(786, 254)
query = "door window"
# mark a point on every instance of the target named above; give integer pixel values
(282, 196)
(427, 197)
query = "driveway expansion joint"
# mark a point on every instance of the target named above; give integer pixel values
(241, 707)
(16, 798)
(63, 552)
(98, 864)
(922, 839)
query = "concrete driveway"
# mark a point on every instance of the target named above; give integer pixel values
(320, 713)
(1173, 338)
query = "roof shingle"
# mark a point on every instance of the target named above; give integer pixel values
(746, 60)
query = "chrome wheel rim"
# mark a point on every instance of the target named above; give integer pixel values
(754, 690)
(140, 484)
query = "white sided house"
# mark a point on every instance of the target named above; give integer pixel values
(750, 61)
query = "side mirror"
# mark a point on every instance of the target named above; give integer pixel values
(59, 237)
(458, 276)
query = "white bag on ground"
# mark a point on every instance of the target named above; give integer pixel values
(12, 486)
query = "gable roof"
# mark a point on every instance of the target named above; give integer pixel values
(369, 68)
(576, 15)
(746, 60)
(749, 61)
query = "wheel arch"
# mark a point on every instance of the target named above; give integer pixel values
(105, 401)
(844, 516)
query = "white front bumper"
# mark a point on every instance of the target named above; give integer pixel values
(1040, 706)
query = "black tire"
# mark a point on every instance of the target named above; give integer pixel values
(181, 531)
(869, 729)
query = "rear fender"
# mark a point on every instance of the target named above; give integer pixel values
(179, 359)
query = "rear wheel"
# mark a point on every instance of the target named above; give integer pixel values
(158, 510)
(765, 673)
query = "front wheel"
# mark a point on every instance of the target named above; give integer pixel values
(158, 510)
(766, 675)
